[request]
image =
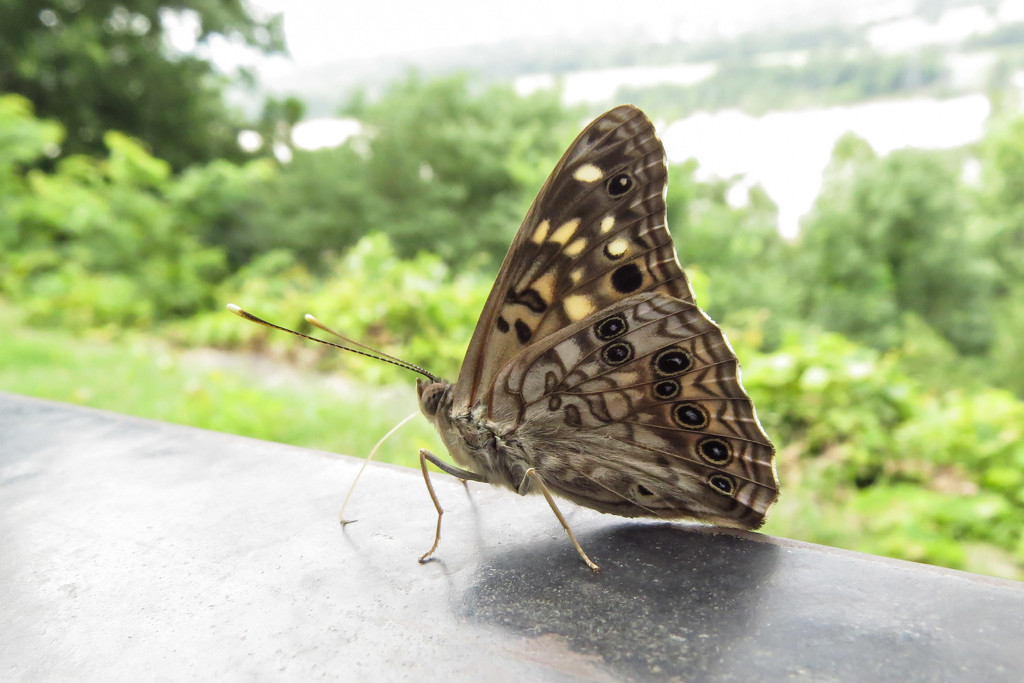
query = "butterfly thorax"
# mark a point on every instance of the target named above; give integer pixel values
(472, 441)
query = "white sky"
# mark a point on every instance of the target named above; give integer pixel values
(324, 31)
(321, 31)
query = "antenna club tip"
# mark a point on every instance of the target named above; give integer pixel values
(311, 319)
(237, 310)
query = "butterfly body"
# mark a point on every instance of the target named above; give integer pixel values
(501, 454)
(476, 444)
(592, 367)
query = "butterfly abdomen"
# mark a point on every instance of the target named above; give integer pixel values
(503, 456)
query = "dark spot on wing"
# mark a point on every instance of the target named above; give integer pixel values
(627, 279)
(523, 332)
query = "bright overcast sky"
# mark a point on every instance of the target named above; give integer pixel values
(325, 31)
(320, 31)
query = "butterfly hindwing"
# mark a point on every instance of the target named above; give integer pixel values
(655, 415)
(595, 235)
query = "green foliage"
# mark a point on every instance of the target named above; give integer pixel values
(888, 236)
(96, 244)
(1003, 366)
(104, 65)
(277, 122)
(1001, 195)
(874, 460)
(837, 400)
(998, 220)
(23, 140)
(417, 309)
(314, 205)
(111, 241)
(215, 201)
(437, 166)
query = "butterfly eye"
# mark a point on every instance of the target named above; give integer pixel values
(722, 484)
(714, 451)
(672, 361)
(430, 398)
(618, 353)
(610, 328)
(619, 185)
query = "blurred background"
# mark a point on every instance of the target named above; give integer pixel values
(846, 193)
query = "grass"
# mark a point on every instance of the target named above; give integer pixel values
(139, 375)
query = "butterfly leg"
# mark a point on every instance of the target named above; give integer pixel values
(532, 476)
(464, 475)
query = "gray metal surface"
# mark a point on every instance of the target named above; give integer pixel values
(132, 549)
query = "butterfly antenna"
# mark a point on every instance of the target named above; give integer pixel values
(341, 515)
(377, 355)
(312, 320)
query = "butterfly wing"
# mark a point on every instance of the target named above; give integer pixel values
(594, 235)
(592, 355)
(639, 410)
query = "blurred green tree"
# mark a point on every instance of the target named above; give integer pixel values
(1002, 196)
(24, 139)
(439, 165)
(95, 244)
(729, 243)
(887, 237)
(112, 241)
(999, 218)
(278, 120)
(106, 65)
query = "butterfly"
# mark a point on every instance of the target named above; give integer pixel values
(592, 374)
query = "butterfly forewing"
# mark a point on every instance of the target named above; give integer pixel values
(595, 235)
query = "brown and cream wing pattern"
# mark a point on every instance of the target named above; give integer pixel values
(657, 422)
(595, 235)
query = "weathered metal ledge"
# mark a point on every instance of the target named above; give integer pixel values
(138, 550)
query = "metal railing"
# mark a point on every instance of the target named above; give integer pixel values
(133, 549)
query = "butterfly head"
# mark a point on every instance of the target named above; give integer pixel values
(434, 395)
